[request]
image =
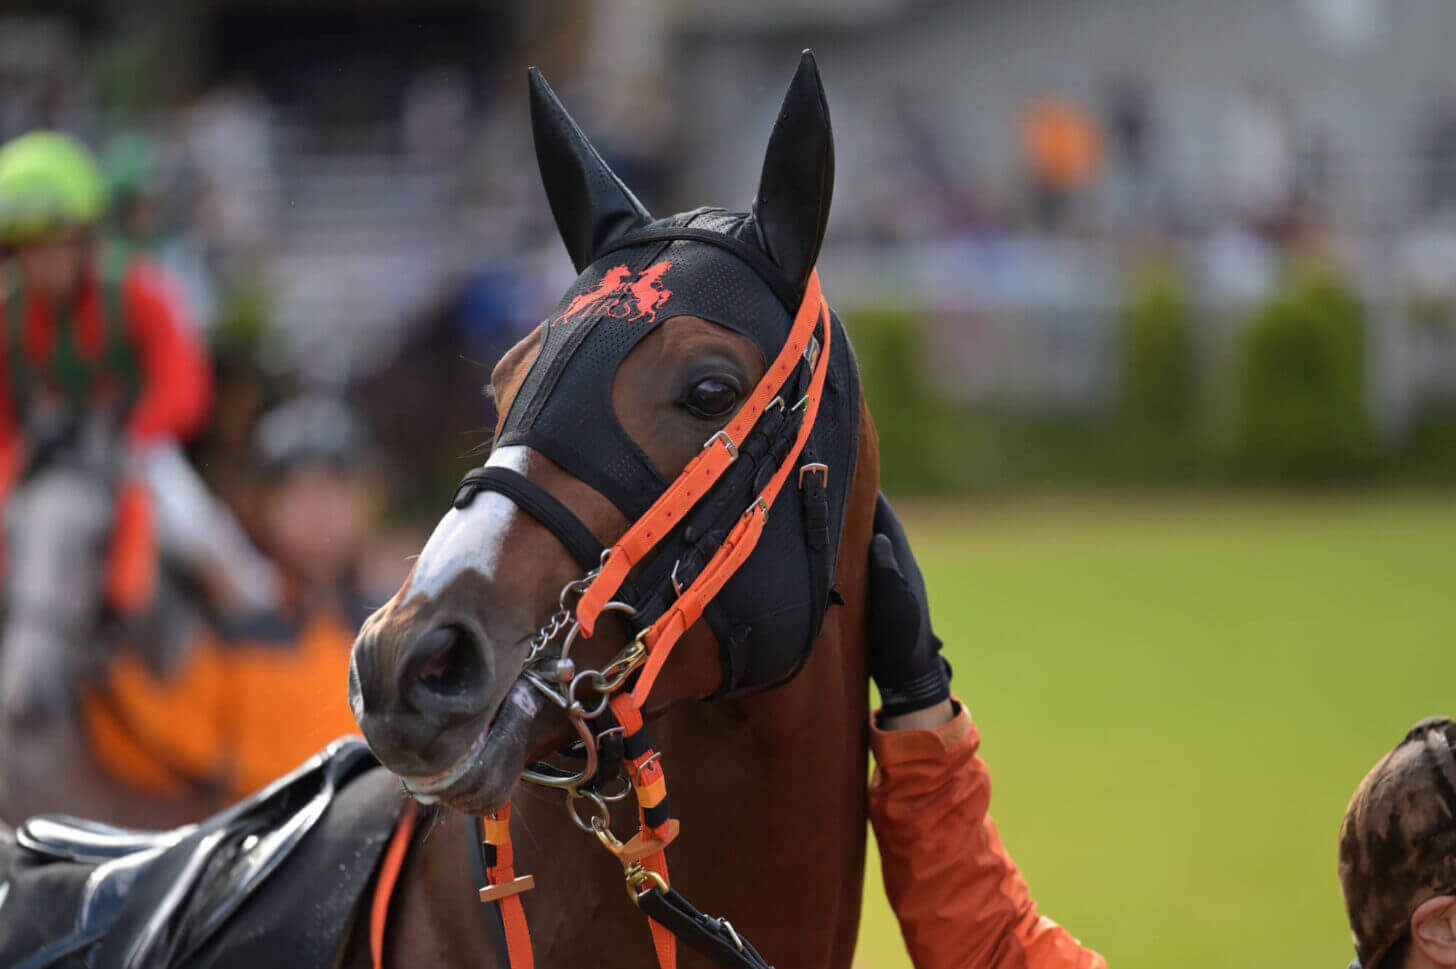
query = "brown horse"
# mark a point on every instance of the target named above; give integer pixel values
(769, 787)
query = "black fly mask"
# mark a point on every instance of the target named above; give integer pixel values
(744, 271)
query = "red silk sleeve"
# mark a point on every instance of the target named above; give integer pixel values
(10, 445)
(960, 900)
(176, 374)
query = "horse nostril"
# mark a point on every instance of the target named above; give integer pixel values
(445, 672)
(447, 663)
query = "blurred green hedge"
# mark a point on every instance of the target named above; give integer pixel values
(1302, 409)
(1158, 366)
(887, 344)
(1285, 401)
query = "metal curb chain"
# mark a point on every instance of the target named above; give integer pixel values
(557, 678)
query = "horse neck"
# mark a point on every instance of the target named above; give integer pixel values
(770, 790)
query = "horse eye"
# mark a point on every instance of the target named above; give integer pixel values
(712, 398)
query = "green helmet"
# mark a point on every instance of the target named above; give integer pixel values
(49, 182)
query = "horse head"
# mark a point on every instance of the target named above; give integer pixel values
(657, 348)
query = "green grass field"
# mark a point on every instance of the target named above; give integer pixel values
(1177, 697)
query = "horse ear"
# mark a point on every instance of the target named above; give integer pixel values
(792, 208)
(591, 205)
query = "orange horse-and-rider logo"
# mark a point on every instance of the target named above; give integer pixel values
(621, 295)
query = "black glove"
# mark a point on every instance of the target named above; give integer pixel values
(904, 654)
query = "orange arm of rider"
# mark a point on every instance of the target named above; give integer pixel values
(960, 900)
(176, 378)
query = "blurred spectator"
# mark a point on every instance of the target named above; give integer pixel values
(318, 505)
(251, 703)
(1437, 153)
(1262, 163)
(44, 83)
(1133, 135)
(1062, 150)
(229, 140)
(435, 115)
(638, 133)
(144, 207)
(910, 188)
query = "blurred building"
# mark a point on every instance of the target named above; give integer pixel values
(368, 165)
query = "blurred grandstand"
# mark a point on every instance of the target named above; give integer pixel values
(350, 185)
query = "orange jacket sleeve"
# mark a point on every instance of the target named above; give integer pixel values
(961, 902)
(176, 391)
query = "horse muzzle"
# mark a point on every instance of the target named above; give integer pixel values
(442, 707)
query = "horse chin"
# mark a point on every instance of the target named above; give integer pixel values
(480, 781)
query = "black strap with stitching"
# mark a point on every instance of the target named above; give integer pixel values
(710, 937)
(537, 502)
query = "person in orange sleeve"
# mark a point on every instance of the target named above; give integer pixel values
(269, 690)
(959, 898)
(289, 665)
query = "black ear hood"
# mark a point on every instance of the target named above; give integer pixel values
(746, 272)
(791, 211)
(591, 205)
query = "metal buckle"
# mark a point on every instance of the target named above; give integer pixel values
(601, 818)
(803, 402)
(732, 933)
(776, 402)
(638, 877)
(727, 442)
(823, 469)
(677, 586)
(760, 504)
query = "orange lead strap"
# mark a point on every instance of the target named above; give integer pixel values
(662, 938)
(650, 786)
(505, 888)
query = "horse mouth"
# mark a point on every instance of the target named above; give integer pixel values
(480, 781)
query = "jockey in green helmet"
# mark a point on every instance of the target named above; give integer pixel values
(85, 331)
(97, 336)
